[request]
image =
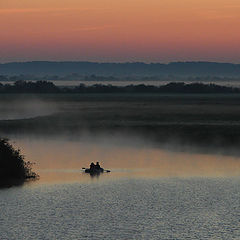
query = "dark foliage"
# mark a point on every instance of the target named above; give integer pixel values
(13, 169)
(29, 87)
(173, 87)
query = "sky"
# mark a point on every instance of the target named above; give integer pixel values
(120, 31)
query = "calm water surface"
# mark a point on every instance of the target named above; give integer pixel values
(150, 194)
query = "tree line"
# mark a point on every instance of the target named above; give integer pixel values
(172, 87)
(112, 78)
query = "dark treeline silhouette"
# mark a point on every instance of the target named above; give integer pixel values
(29, 87)
(121, 69)
(13, 169)
(67, 77)
(101, 78)
(173, 87)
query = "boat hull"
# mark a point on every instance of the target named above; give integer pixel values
(94, 171)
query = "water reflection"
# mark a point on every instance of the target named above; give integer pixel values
(59, 160)
(146, 195)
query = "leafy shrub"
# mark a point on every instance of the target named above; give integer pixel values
(13, 169)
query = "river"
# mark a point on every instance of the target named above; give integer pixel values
(150, 193)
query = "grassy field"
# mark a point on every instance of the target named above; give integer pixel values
(203, 120)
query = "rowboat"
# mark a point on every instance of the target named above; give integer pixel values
(95, 171)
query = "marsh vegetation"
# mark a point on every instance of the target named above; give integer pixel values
(208, 121)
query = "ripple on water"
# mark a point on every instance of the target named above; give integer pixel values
(170, 208)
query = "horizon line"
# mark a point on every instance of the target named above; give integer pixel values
(120, 62)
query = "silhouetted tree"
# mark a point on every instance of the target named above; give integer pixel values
(172, 87)
(13, 169)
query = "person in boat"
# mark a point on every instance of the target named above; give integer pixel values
(97, 166)
(92, 166)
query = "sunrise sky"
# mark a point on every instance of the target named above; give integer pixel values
(119, 31)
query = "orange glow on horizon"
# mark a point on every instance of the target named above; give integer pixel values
(128, 30)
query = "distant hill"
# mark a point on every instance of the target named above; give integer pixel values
(122, 69)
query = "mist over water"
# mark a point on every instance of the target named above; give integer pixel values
(150, 193)
(22, 108)
(154, 191)
(126, 156)
(69, 148)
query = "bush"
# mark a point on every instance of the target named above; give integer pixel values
(13, 169)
